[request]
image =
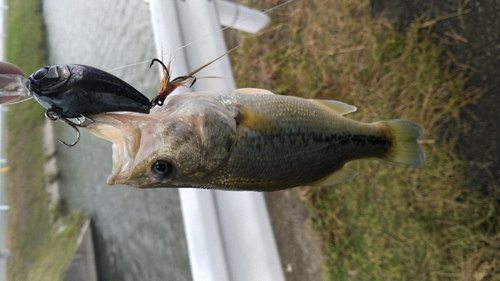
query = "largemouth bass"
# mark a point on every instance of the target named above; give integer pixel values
(248, 139)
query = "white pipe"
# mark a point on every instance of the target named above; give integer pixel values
(205, 246)
(168, 37)
(229, 234)
(240, 17)
(248, 239)
(202, 230)
(202, 29)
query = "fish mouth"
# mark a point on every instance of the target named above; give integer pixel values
(129, 133)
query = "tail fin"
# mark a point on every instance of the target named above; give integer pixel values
(405, 147)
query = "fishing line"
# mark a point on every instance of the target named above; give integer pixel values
(250, 17)
(203, 37)
(19, 101)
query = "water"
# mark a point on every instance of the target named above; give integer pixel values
(138, 234)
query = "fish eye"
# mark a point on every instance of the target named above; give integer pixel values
(39, 74)
(161, 169)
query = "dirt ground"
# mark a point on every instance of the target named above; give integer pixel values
(298, 246)
(470, 28)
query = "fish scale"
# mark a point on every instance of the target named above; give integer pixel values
(249, 139)
(299, 151)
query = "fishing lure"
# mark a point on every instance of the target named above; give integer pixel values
(74, 91)
(167, 86)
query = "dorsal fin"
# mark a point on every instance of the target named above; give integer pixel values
(253, 91)
(336, 106)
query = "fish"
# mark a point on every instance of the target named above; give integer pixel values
(248, 139)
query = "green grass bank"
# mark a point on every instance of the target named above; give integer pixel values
(41, 240)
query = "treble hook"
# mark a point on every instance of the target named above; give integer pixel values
(165, 68)
(167, 86)
(53, 116)
(72, 125)
(179, 79)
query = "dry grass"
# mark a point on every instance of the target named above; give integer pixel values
(391, 222)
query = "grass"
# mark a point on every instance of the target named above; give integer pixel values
(390, 222)
(41, 240)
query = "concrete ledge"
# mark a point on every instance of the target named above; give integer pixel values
(82, 265)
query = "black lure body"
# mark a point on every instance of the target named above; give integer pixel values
(73, 90)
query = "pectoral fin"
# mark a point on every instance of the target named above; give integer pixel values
(254, 120)
(337, 177)
(335, 106)
(253, 91)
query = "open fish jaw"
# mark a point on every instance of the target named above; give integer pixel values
(171, 133)
(126, 132)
